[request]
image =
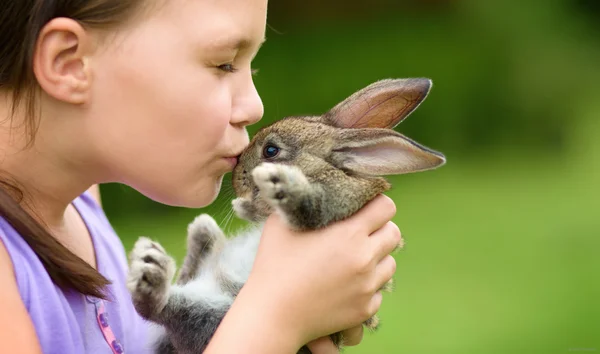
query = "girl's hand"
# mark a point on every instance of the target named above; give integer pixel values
(320, 282)
(324, 345)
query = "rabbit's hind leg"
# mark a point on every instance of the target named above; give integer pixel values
(193, 313)
(372, 323)
(204, 238)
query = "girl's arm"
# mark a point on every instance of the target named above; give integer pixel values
(258, 331)
(17, 334)
(253, 326)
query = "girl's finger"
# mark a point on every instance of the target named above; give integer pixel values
(353, 336)
(386, 239)
(384, 270)
(323, 345)
(375, 214)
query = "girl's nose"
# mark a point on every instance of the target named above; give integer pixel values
(248, 107)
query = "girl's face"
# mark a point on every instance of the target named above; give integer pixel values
(172, 95)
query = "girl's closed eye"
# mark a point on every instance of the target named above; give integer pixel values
(231, 68)
(228, 67)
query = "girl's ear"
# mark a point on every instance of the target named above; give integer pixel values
(383, 104)
(382, 152)
(61, 60)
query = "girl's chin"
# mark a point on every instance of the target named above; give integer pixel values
(202, 194)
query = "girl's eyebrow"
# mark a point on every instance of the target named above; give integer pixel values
(238, 43)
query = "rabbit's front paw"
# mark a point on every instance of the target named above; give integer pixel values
(244, 209)
(280, 184)
(149, 278)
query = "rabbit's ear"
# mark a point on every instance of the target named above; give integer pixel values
(379, 152)
(383, 104)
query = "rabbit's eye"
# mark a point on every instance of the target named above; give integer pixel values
(270, 151)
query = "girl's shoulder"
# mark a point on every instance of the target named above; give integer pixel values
(23, 259)
(52, 309)
(108, 247)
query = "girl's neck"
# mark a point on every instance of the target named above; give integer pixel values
(48, 180)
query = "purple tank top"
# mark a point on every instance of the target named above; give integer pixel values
(67, 322)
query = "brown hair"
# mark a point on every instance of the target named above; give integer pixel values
(20, 24)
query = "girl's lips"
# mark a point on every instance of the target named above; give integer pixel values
(232, 161)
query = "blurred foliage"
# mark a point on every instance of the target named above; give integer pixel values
(506, 73)
(502, 242)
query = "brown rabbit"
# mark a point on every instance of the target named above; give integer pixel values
(313, 171)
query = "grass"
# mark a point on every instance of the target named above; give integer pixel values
(501, 257)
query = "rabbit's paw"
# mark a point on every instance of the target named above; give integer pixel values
(372, 323)
(204, 239)
(149, 278)
(280, 184)
(400, 245)
(389, 286)
(203, 234)
(244, 209)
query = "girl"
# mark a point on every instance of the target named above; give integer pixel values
(154, 94)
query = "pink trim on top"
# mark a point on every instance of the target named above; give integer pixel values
(109, 336)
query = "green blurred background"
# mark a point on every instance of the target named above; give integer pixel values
(502, 250)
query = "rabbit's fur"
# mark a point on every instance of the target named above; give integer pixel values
(311, 170)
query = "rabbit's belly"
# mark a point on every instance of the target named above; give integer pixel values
(238, 255)
(205, 290)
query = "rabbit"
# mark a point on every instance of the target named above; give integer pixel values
(313, 171)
